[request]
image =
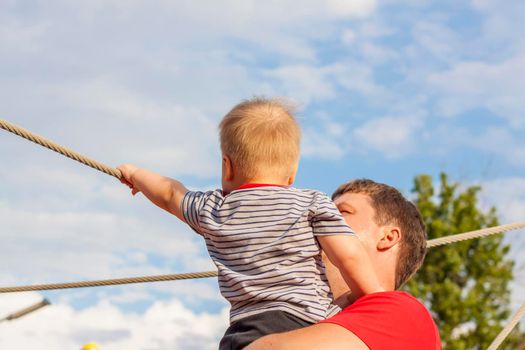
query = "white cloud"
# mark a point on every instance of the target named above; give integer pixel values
(348, 36)
(345, 8)
(285, 24)
(15, 35)
(160, 135)
(508, 196)
(305, 83)
(359, 77)
(502, 142)
(324, 138)
(377, 54)
(375, 28)
(164, 325)
(314, 83)
(481, 69)
(502, 25)
(469, 85)
(392, 136)
(492, 140)
(438, 39)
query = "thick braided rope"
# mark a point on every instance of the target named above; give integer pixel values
(507, 329)
(474, 234)
(4, 124)
(110, 282)
(173, 277)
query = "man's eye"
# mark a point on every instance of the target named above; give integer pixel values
(346, 212)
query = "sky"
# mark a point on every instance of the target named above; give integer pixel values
(385, 90)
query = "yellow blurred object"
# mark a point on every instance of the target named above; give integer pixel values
(90, 346)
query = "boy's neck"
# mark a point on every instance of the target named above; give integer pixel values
(233, 178)
(279, 181)
(233, 185)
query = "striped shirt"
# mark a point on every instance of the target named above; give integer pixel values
(262, 240)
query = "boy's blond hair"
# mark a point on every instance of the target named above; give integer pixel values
(261, 137)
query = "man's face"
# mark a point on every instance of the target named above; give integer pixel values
(359, 215)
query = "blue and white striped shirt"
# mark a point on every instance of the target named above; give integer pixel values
(262, 241)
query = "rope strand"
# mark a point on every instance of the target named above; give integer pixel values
(474, 234)
(110, 282)
(507, 329)
(173, 277)
(28, 135)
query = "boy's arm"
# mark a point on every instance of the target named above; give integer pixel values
(164, 192)
(341, 292)
(348, 254)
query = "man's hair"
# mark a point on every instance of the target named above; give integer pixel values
(392, 208)
(261, 136)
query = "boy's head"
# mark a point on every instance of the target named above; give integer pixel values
(261, 140)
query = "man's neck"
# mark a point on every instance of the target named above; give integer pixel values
(386, 273)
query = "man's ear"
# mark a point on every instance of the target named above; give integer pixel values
(390, 236)
(227, 168)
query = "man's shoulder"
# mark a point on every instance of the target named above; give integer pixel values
(408, 321)
(395, 296)
(391, 301)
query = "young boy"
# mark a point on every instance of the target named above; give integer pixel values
(263, 235)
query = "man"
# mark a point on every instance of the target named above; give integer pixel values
(391, 229)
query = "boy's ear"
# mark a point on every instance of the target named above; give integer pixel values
(390, 236)
(227, 168)
(291, 179)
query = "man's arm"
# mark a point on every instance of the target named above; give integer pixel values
(164, 192)
(347, 253)
(320, 336)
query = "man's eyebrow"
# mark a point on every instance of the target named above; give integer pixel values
(346, 206)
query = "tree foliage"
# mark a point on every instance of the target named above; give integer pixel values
(466, 284)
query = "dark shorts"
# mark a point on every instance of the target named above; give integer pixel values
(250, 328)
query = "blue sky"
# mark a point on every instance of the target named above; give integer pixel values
(386, 90)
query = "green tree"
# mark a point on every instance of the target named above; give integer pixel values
(466, 284)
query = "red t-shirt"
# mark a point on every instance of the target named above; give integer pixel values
(390, 321)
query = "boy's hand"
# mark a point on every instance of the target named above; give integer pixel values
(127, 171)
(164, 192)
